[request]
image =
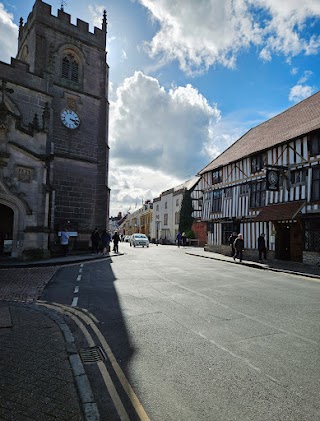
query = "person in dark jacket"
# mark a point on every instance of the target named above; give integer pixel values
(105, 242)
(239, 247)
(116, 240)
(231, 240)
(262, 247)
(179, 238)
(95, 240)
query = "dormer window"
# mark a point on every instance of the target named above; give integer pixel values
(70, 68)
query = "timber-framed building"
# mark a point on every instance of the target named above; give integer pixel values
(268, 182)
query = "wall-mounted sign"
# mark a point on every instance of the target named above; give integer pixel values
(272, 179)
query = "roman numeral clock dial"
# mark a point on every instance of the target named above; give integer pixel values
(70, 119)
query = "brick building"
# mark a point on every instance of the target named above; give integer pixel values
(53, 133)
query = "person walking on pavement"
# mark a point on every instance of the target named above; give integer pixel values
(262, 247)
(184, 239)
(239, 247)
(64, 241)
(179, 238)
(105, 242)
(95, 240)
(116, 240)
(231, 241)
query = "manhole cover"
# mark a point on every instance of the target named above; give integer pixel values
(92, 355)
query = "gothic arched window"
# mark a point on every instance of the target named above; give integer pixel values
(70, 68)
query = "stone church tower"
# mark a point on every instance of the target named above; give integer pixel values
(53, 133)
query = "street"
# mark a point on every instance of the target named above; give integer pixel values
(186, 338)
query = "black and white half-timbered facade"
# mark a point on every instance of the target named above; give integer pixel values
(268, 182)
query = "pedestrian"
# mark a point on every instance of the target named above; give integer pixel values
(239, 247)
(116, 239)
(64, 241)
(262, 247)
(105, 242)
(231, 240)
(95, 240)
(184, 239)
(179, 238)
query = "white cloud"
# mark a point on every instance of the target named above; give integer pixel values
(96, 14)
(306, 75)
(8, 35)
(217, 31)
(154, 132)
(300, 92)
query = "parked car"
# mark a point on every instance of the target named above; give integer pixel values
(127, 239)
(139, 240)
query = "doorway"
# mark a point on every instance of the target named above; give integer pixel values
(6, 230)
(289, 241)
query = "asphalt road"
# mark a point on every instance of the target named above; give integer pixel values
(199, 339)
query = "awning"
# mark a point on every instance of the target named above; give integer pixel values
(280, 212)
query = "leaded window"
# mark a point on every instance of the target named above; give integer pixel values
(216, 200)
(314, 143)
(315, 186)
(258, 162)
(298, 176)
(258, 194)
(216, 176)
(312, 234)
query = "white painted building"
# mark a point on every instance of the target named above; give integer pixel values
(166, 211)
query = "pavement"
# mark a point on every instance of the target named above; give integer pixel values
(41, 374)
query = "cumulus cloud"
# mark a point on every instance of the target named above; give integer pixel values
(300, 92)
(159, 129)
(155, 132)
(8, 35)
(218, 31)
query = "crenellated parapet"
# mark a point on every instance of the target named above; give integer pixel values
(42, 13)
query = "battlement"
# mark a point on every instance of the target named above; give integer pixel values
(42, 13)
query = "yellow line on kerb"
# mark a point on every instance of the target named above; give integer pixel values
(73, 313)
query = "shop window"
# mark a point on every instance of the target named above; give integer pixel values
(258, 194)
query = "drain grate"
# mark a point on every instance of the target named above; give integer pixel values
(92, 355)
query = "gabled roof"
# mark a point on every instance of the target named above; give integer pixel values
(297, 121)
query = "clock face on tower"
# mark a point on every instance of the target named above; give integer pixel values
(70, 119)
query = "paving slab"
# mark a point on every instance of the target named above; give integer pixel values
(36, 378)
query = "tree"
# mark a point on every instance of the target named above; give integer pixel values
(186, 210)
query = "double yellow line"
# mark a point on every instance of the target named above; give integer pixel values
(79, 317)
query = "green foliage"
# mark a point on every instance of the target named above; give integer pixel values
(190, 234)
(186, 210)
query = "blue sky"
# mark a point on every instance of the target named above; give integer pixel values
(188, 78)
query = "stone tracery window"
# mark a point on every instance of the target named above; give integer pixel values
(70, 67)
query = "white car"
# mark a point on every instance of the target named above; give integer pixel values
(127, 239)
(139, 240)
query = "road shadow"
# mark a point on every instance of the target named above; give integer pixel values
(98, 295)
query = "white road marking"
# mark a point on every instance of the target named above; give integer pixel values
(79, 277)
(76, 290)
(74, 302)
